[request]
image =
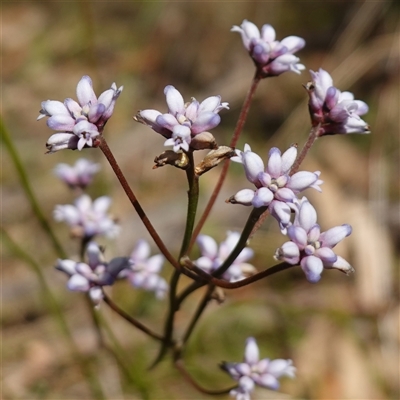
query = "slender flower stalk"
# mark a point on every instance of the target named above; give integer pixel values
(179, 364)
(128, 318)
(208, 278)
(199, 311)
(193, 197)
(142, 215)
(235, 137)
(312, 137)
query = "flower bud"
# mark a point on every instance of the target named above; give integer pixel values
(178, 160)
(213, 158)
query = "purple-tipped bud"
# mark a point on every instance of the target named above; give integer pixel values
(337, 112)
(270, 56)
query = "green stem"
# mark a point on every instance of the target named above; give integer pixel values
(241, 244)
(193, 197)
(23, 177)
(181, 367)
(55, 309)
(119, 355)
(200, 308)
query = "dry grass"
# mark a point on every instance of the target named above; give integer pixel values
(342, 333)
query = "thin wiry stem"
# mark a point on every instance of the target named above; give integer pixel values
(193, 197)
(241, 244)
(23, 177)
(312, 137)
(130, 319)
(243, 282)
(142, 215)
(55, 309)
(181, 367)
(236, 134)
(200, 308)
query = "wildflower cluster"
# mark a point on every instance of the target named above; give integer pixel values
(88, 219)
(277, 187)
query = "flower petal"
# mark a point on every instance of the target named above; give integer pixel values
(312, 267)
(175, 102)
(84, 91)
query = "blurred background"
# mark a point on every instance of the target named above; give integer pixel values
(341, 333)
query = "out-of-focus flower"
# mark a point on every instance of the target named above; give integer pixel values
(144, 270)
(79, 175)
(311, 248)
(275, 188)
(79, 122)
(271, 57)
(184, 121)
(91, 276)
(86, 218)
(253, 371)
(213, 257)
(336, 111)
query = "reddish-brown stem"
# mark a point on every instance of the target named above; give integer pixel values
(312, 137)
(142, 215)
(243, 282)
(236, 134)
(181, 367)
(130, 319)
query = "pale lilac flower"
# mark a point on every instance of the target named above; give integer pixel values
(86, 218)
(144, 270)
(336, 111)
(253, 371)
(90, 277)
(79, 175)
(212, 257)
(311, 248)
(184, 121)
(79, 123)
(275, 188)
(271, 57)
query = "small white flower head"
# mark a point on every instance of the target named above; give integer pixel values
(79, 175)
(253, 371)
(271, 57)
(90, 277)
(311, 248)
(79, 123)
(184, 121)
(88, 219)
(275, 188)
(144, 270)
(336, 111)
(212, 257)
